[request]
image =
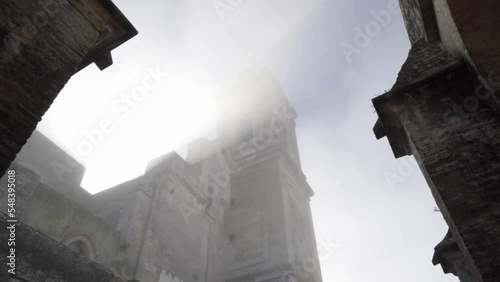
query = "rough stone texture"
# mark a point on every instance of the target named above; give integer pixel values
(60, 218)
(420, 20)
(42, 44)
(466, 31)
(444, 109)
(174, 223)
(42, 259)
(57, 170)
(27, 183)
(448, 254)
(30, 78)
(446, 112)
(453, 131)
(423, 60)
(464, 167)
(477, 26)
(147, 228)
(414, 21)
(269, 229)
(170, 219)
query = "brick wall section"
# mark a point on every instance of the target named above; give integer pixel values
(41, 259)
(423, 59)
(459, 152)
(41, 45)
(439, 112)
(454, 133)
(56, 216)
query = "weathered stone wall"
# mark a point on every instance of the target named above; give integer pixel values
(413, 19)
(423, 59)
(448, 254)
(173, 218)
(466, 31)
(255, 228)
(444, 109)
(479, 43)
(56, 168)
(168, 225)
(43, 42)
(460, 156)
(267, 228)
(442, 114)
(298, 216)
(62, 219)
(42, 259)
(27, 182)
(148, 227)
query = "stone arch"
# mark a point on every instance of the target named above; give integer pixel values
(83, 244)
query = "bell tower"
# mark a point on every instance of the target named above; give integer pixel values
(268, 230)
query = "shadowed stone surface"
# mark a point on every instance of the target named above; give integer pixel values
(42, 44)
(448, 254)
(220, 215)
(41, 259)
(443, 111)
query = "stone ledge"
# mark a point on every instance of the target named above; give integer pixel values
(40, 258)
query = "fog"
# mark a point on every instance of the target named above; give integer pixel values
(373, 214)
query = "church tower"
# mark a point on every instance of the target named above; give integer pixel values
(268, 229)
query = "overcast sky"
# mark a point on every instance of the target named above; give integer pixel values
(374, 215)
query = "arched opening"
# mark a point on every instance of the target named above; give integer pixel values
(83, 245)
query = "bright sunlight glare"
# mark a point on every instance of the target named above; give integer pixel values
(171, 117)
